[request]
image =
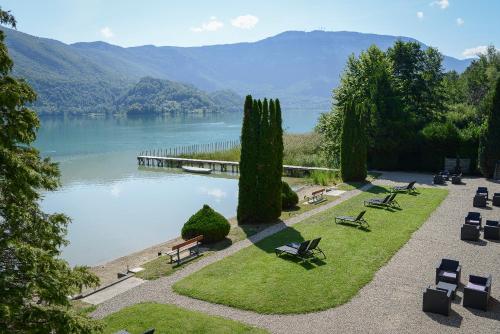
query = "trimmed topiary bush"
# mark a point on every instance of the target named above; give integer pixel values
(289, 198)
(212, 225)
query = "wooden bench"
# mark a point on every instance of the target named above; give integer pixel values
(191, 245)
(316, 196)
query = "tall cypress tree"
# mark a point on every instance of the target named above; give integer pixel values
(264, 188)
(353, 148)
(277, 153)
(261, 164)
(489, 147)
(248, 175)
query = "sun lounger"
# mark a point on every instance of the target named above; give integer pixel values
(301, 252)
(409, 188)
(352, 219)
(313, 247)
(377, 201)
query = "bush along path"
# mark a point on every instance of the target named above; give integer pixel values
(392, 299)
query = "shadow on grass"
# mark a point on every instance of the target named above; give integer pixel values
(453, 320)
(359, 227)
(219, 245)
(307, 264)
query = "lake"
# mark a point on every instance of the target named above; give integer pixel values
(118, 208)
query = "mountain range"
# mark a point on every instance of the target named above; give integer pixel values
(301, 68)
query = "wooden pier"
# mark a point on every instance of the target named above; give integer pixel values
(221, 166)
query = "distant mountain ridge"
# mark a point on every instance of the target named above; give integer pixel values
(301, 68)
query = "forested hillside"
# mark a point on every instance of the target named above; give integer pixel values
(156, 96)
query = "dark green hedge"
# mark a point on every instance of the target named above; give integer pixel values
(207, 222)
(289, 198)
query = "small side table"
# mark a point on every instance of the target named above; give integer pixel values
(447, 287)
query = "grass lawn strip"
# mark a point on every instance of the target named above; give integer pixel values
(256, 279)
(160, 267)
(171, 319)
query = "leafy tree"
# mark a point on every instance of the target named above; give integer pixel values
(34, 281)
(489, 148)
(418, 76)
(479, 80)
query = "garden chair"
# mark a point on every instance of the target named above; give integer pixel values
(354, 220)
(377, 201)
(438, 179)
(474, 218)
(477, 292)
(448, 271)
(456, 179)
(409, 188)
(301, 252)
(479, 201)
(482, 191)
(492, 230)
(496, 199)
(469, 232)
(437, 301)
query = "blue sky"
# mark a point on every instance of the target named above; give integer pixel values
(457, 28)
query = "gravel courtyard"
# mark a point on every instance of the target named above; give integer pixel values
(392, 302)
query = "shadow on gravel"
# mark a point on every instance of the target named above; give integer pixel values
(492, 313)
(453, 320)
(480, 242)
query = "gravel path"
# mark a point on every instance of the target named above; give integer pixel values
(391, 303)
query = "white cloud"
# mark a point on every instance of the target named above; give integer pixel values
(106, 32)
(115, 190)
(460, 21)
(216, 193)
(212, 25)
(443, 4)
(473, 52)
(245, 21)
(420, 15)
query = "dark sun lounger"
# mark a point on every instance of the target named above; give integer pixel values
(351, 219)
(409, 188)
(377, 201)
(301, 252)
(313, 247)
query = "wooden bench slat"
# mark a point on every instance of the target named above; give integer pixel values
(187, 242)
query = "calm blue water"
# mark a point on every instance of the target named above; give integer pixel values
(117, 207)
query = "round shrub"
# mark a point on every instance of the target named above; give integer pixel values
(289, 198)
(212, 225)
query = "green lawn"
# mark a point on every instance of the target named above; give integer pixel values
(256, 279)
(171, 319)
(160, 266)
